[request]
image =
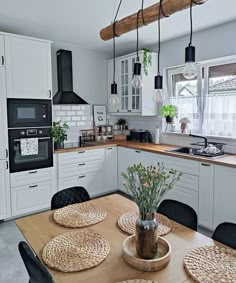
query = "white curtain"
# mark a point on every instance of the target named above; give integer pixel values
(219, 116)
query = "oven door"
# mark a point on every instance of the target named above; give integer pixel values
(29, 113)
(19, 162)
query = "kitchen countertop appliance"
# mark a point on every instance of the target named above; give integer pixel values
(140, 136)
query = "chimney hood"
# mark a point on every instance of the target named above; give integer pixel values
(65, 94)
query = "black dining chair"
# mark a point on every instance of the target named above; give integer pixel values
(69, 196)
(226, 234)
(179, 212)
(38, 273)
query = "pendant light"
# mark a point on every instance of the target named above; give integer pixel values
(190, 70)
(137, 80)
(114, 99)
(158, 80)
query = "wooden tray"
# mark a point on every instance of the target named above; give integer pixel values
(132, 259)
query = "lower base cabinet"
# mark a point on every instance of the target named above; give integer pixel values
(30, 198)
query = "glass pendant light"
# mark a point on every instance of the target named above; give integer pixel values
(114, 99)
(158, 80)
(190, 70)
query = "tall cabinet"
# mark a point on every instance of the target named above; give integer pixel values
(4, 171)
(131, 100)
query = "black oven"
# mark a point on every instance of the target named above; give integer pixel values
(41, 159)
(29, 113)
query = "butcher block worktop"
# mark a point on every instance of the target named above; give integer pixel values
(229, 161)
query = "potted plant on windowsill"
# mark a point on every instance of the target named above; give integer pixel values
(169, 112)
(59, 134)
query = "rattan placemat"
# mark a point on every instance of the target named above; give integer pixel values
(76, 251)
(127, 223)
(138, 281)
(211, 264)
(79, 215)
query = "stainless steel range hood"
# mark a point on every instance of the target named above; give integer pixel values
(65, 94)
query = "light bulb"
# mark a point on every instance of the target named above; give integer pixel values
(190, 71)
(137, 81)
(114, 99)
(158, 95)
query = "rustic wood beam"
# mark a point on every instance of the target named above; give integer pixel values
(150, 14)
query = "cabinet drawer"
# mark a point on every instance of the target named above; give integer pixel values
(30, 177)
(80, 156)
(92, 182)
(180, 164)
(76, 169)
(30, 198)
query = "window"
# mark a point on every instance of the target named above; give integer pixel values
(209, 101)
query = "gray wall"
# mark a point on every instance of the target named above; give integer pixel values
(89, 73)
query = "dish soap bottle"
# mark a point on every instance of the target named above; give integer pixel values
(157, 136)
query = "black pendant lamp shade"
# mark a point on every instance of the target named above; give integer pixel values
(137, 69)
(113, 88)
(189, 54)
(158, 82)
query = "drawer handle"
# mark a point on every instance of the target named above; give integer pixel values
(33, 172)
(81, 164)
(171, 172)
(109, 148)
(205, 164)
(138, 151)
(33, 186)
(81, 151)
(81, 176)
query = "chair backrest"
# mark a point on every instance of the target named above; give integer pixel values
(69, 196)
(179, 212)
(38, 273)
(226, 234)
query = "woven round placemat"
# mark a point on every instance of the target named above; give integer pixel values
(211, 264)
(76, 251)
(127, 223)
(79, 215)
(137, 281)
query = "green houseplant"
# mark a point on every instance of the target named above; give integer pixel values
(59, 134)
(147, 186)
(169, 112)
(147, 60)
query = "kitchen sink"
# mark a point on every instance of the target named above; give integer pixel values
(185, 150)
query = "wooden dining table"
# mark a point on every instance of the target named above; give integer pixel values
(39, 229)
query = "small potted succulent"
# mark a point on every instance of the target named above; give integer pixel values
(122, 123)
(169, 112)
(59, 134)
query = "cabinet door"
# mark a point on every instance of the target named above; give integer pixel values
(135, 93)
(206, 191)
(28, 68)
(111, 169)
(115, 108)
(2, 53)
(4, 190)
(124, 85)
(224, 195)
(3, 116)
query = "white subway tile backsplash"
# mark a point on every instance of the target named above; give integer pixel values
(71, 124)
(65, 118)
(56, 107)
(81, 124)
(60, 113)
(67, 107)
(70, 113)
(76, 118)
(84, 118)
(80, 113)
(77, 107)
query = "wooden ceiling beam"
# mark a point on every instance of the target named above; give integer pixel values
(151, 15)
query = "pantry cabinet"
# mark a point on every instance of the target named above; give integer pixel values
(3, 117)
(131, 100)
(28, 67)
(2, 51)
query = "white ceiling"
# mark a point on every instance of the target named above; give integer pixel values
(79, 21)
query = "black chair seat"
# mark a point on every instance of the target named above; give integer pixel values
(226, 234)
(179, 212)
(69, 196)
(38, 273)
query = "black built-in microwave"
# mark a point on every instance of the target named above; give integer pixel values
(29, 113)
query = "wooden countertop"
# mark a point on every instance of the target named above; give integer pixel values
(229, 161)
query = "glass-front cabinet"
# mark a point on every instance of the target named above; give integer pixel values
(132, 101)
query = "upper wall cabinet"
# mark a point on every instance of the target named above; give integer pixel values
(28, 67)
(132, 101)
(2, 54)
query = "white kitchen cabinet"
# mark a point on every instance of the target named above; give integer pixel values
(132, 101)
(2, 51)
(3, 117)
(111, 169)
(28, 67)
(30, 198)
(224, 195)
(4, 190)
(206, 193)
